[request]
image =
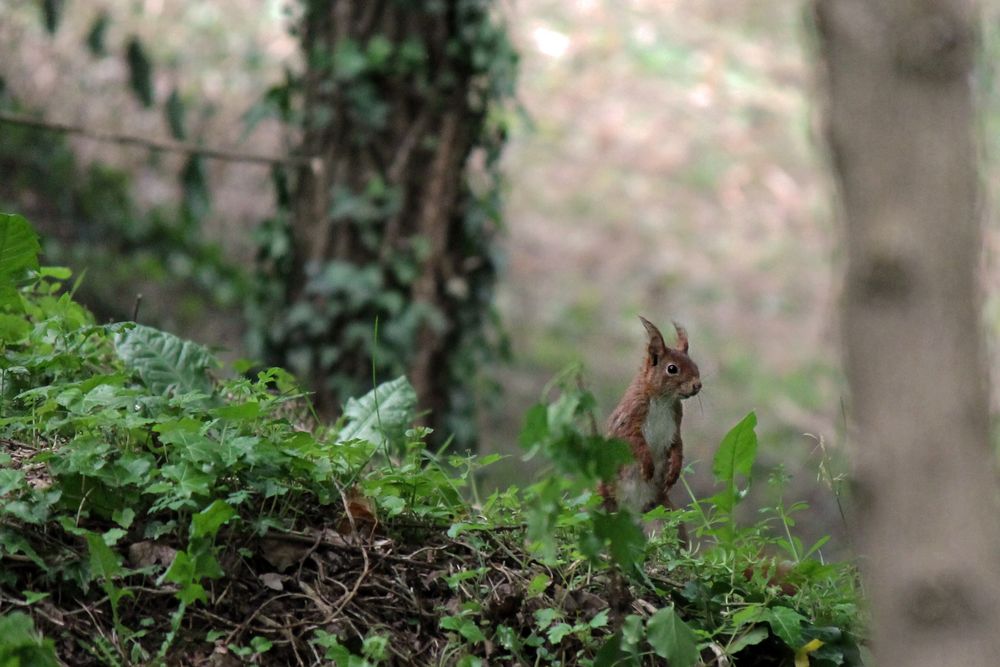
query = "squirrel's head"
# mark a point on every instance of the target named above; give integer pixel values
(669, 371)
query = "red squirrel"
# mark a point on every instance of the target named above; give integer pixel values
(649, 418)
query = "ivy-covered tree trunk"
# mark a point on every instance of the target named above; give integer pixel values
(400, 109)
(902, 138)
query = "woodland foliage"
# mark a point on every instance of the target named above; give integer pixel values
(387, 210)
(158, 508)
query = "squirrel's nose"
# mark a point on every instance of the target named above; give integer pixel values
(696, 387)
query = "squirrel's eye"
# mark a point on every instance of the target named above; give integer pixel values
(672, 369)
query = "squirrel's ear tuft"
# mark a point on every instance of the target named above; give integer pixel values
(682, 338)
(657, 347)
(651, 329)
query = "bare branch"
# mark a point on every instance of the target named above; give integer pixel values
(230, 155)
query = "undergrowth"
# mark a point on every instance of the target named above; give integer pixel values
(158, 509)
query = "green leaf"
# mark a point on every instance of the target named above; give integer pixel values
(607, 456)
(538, 584)
(10, 299)
(207, 522)
(632, 632)
(546, 616)
(736, 455)
(95, 36)
(123, 517)
(174, 110)
(613, 654)
(261, 644)
(56, 272)
(786, 623)
(20, 644)
(337, 652)
(558, 631)
(183, 571)
(382, 413)
(671, 638)
(52, 14)
(349, 61)
(625, 539)
(536, 426)
(754, 635)
(10, 480)
(140, 70)
(104, 562)
(165, 362)
(465, 626)
(18, 248)
(239, 411)
(600, 619)
(31, 597)
(194, 184)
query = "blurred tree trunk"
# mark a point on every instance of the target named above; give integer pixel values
(384, 224)
(901, 133)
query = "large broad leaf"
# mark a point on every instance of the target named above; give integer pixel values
(735, 457)
(786, 623)
(671, 638)
(165, 362)
(383, 413)
(18, 248)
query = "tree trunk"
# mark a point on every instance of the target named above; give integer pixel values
(383, 224)
(901, 133)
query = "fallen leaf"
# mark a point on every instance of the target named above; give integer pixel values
(282, 554)
(273, 580)
(802, 655)
(147, 552)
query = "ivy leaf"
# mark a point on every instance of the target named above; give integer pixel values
(95, 36)
(52, 14)
(140, 70)
(18, 247)
(165, 362)
(736, 455)
(382, 413)
(671, 638)
(174, 110)
(194, 184)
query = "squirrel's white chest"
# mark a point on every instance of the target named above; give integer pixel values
(658, 430)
